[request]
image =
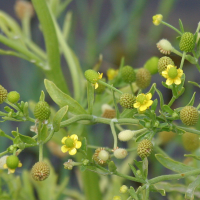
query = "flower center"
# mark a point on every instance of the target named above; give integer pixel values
(172, 73)
(141, 98)
(69, 142)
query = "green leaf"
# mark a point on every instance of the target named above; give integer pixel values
(2, 134)
(189, 195)
(27, 139)
(173, 165)
(17, 140)
(161, 98)
(128, 113)
(84, 144)
(42, 96)
(15, 133)
(191, 59)
(58, 118)
(141, 167)
(43, 133)
(194, 83)
(83, 168)
(133, 170)
(166, 108)
(192, 100)
(192, 156)
(154, 105)
(90, 96)
(133, 193)
(152, 89)
(63, 99)
(153, 188)
(181, 26)
(145, 167)
(198, 49)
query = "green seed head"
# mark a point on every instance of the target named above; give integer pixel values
(187, 42)
(144, 148)
(91, 75)
(189, 115)
(163, 62)
(190, 141)
(42, 111)
(69, 142)
(127, 100)
(3, 94)
(12, 162)
(40, 171)
(13, 97)
(128, 74)
(172, 73)
(143, 78)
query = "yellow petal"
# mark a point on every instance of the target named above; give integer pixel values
(74, 137)
(5, 166)
(78, 144)
(20, 164)
(180, 72)
(165, 74)
(169, 81)
(64, 149)
(169, 66)
(149, 96)
(72, 151)
(136, 105)
(100, 75)
(149, 103)
(63, 140)
(143, 107)
(177, 81)
(12, 171)
(96, 86)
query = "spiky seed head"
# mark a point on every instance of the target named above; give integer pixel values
(13, 96)
(3, 94)
(12, 162)
(144, 148)
(127, 100)
(152, 65)
(189, 115)
(143, 78)
(163, 62)
(187, 42)
(120, 153)
(128, 74)
(91, 75)
(190, 141)
(101, 156)
(42, 111)
(40, 171)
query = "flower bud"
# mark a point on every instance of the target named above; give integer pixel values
(164, 46)
(42, 111)
(163, 62)
(69, 164)
(145, 148)
(92, 76)
(117, 198)
(128, 74)
(123, 189)
(12, 162)
(125, 135)
(143, 78)
(13, 97)
(127, 100)
(190, 141)
(40, 171)
(3, 94)
(120, 153)
(189, 115)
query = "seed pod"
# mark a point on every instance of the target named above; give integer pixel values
(40, 171)
(190, 141)
(42, 111)
(187, 42)
(13, 97)
(3, 94)
(101, 156)
(145, 148)
(91, 75)
(163, 62)
(120, 153)
(143, 78)
(189, 115)
(127, 100)
(128, 74)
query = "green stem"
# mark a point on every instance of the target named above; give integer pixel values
(3, 153)
(12, 105)
(49, 136)
(40, 151)
(189, 130)
(112, 126)
(26, 26)
(109, 86)
(172, 27)
(182, 60)
(171, 101)
(53, 71)
(129, 177)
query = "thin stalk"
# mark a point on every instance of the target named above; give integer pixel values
(182, 60)
(172, 27)
(109, 86)
(40, 151)
(26, 26)
(3, 153)
(171, 101)
(189, 130)
(112, 126)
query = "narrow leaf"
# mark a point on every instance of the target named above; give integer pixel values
(58, 118)
(27, 139)
(192, 156)
(145, 167)
(192, 100)
(154, 105)
(173, 165)
(181, 26)
(194, 83)
(161, 97)
(133, 193)
(166, 108)
(189, 195)
(153, 188)
(63, 99)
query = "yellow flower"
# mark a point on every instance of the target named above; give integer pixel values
(143, 101)
(111, 73)
(116, 198)
(71, 143)
(172, 75)
(5, 166)
(157, 19)
(99, 77)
